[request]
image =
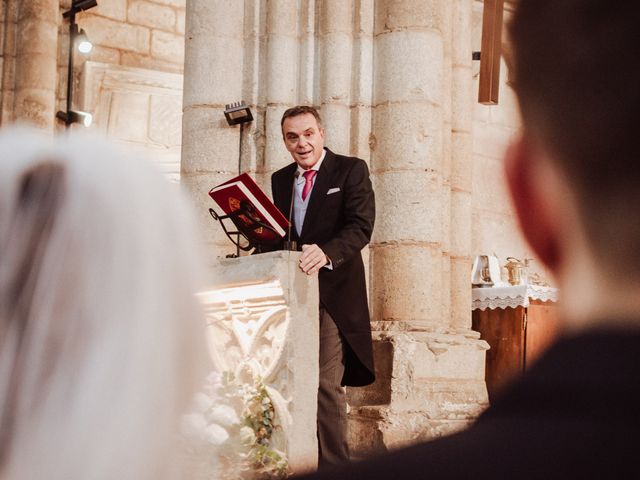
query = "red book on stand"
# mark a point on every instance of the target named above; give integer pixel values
(244, 191)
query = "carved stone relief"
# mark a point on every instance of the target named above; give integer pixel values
(247, 332)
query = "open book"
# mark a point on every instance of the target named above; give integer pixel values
(249, 208)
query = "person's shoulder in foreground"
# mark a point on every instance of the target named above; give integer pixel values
(556, 424)
(573, 179)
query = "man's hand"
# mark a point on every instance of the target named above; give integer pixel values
(312, 259)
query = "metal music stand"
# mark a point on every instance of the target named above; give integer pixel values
(244, 237)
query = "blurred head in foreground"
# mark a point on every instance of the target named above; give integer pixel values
(573, 172)
(100, 332)
(575, 183)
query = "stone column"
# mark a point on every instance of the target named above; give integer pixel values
(35, 63)
(252, 91)
(462, 167)
(336, 70)
(447, 106)
(407, 164)
(430, 375)
(282, 68)
(362, 94)
(307, 53)
(213, 76)
(8, 62)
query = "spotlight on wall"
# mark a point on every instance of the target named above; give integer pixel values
(237, 113)
(75, 116)
(82, 42)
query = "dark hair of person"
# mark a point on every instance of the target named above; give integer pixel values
(300, 110)
(575, 66)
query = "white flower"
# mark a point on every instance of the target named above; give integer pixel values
(217, 417)
(223, 415)
(214, 379)
(193, 425)
(201, 403)
(247, 436)
(215, 434)
(213, 384)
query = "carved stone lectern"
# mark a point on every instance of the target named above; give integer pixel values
(262, 315)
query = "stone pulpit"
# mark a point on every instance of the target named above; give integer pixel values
(262, 315)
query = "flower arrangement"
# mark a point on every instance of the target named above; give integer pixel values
(228, 433)
(265, 460)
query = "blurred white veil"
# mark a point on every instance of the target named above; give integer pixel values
(101, 337)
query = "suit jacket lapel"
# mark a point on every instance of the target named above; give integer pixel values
(319, 192)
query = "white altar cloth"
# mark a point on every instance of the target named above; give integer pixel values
(510, 296)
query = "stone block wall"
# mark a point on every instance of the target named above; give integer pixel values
(34, 43)
(139, 108)
(28, 48)
(136, 100)
(8, 20)
(137, 33)
(494, 228)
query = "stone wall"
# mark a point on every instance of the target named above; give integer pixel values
(494, 229)
(137, 33)
(139, 108)
(132, 80)
(29, 36)
(146, 34)
(8, 19)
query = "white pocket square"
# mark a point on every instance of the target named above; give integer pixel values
(333, 190)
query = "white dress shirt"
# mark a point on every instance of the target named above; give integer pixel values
(300, 205)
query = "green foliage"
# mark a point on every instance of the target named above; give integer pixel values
(266, 461)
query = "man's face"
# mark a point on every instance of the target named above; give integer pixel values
(304, 139)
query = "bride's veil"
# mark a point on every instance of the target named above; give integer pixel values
(101, 338)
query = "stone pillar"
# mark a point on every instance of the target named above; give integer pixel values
(407, 164)
(35, 63)
(462, 167)
(430, 375)
(282, 69)
(9, 18)
(307, 53)
(336, 71)
(447, 93)
(213, 77)
(362, 94)
(252, 89)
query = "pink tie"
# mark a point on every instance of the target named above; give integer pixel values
(308, 182)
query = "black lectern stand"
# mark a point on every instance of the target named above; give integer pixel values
(249, 231)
